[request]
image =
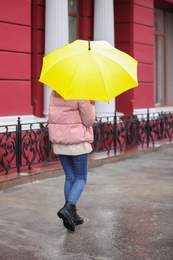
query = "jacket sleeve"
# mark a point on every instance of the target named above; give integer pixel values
(87, 112)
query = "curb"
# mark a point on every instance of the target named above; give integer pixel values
(129, 155)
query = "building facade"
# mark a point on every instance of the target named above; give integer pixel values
(32, 28)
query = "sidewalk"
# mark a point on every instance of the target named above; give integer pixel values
(127, 208)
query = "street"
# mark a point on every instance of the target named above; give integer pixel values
(127, 208)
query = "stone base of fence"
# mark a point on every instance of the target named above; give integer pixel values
(54, 169)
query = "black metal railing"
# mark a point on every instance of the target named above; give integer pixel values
(28, 144)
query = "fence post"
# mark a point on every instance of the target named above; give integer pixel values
(18, 145)
(115, 132)
(148, 127)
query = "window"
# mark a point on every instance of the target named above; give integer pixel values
(169, 58)
(159, 58)
(163, 58)
(73, 19)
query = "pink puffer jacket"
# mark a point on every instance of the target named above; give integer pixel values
(70, 122)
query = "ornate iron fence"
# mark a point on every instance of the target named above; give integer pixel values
(129, 130)
(29, 144)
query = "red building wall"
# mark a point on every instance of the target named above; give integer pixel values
(86, 13)
(15, 58)
(22, 47)
(17, 75)
(37, 52)
(123, 12)
(134, 34)
(143, 50)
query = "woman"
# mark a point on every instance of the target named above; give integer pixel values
(71, 133)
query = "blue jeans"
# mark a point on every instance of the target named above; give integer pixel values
(76, 171)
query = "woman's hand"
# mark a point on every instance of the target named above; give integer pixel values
(92, 102)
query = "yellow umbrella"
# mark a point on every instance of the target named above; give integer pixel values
(92, 70)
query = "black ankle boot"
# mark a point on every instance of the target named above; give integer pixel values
(77, 219)
(67, 215)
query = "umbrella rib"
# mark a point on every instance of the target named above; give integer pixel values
(103, 81)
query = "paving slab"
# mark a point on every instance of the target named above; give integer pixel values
(127, 208)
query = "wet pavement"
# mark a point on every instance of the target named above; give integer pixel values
(127, 208)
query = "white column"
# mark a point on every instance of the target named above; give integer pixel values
(56, 33)
(104, 30)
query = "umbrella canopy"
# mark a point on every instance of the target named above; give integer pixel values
(92, 70)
